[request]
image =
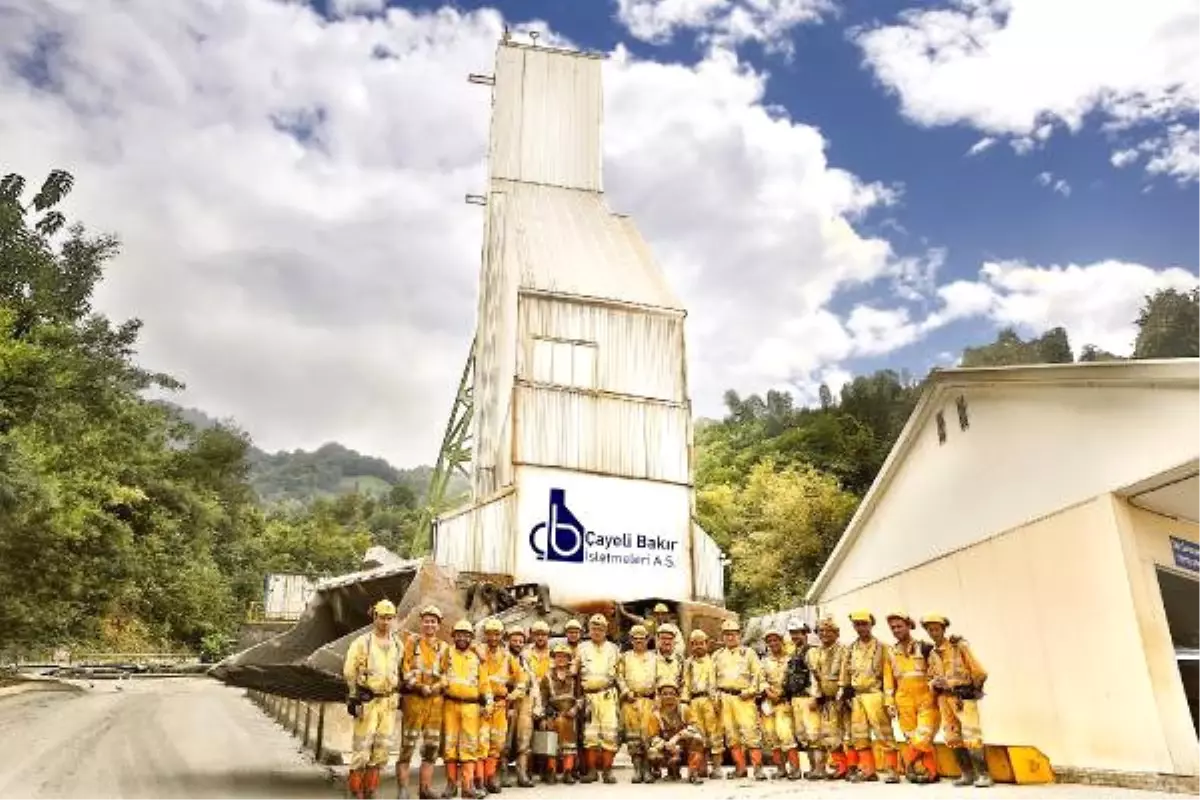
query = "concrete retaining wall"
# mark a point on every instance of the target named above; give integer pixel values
(324, 729)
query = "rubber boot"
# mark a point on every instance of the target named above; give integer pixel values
(451, 789)
(929, 759)
(638, 769)
(424, 781)
(550, 776)
(888, 773)
(591, 760)
(569, 770)
(606, 774)
(506, 775)
(674, 770)
(964, 763)
(780, 764)
(739, 762)
(402, 776)
(756, 762)
(696, 767)
(716, 767)
(816, 765)
(523, 778)
(473, 778)
(865, 771)
(653, 771)
(371, 783)
(793, 764)
(983, 778)
(837, 760)
(492, 779)
(851, 761)
(355, 783)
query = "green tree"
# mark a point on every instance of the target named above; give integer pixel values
(1009, 349)
(1169, 325)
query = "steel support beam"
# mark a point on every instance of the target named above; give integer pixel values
(455, 454)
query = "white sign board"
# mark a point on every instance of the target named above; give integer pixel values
(592, 537)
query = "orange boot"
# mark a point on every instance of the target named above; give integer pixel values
(371, 782)
(569, 769)
(355, 783)
(551, 771)
(451, 789)
(866, 767)
(606, 775)
(491, 781)
(838, 759)
(756, 762)
(793, 764)
(739, 761)
(780, 762)
(695, 765)
(929, 759)
(890, 767)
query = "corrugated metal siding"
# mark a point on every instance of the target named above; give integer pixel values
(601, 434)
(637, 353)
(708, 574)
(546, 117)
(564, 241)
(478, 538)
(495, 359)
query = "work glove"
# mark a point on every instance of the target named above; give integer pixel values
(891, 711)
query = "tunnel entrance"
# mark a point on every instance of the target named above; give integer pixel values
(1181, 599)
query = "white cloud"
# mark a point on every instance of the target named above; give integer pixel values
(346, 8)
(1123, 158)
(982, 145)
(1018, 68)
(721, 22)
(289, 192)
(1058, 185)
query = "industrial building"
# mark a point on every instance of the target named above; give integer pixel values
(1051, 512)
(581, 427)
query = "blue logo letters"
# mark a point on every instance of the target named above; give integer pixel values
(564, 532)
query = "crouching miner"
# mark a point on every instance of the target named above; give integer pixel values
(372, 673)
(559, 703)
(957, 679)
(674, 738)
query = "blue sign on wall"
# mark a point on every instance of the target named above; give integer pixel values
(1187, 554)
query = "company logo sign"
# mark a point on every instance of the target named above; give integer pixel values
(563, 538)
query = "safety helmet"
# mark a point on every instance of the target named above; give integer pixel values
(796, 625)
(573, 625)
(940, 618)
(661, 608)
(773, 632)
(384, 608)
(462, 626)
(669, 628)
(731, 626)
(862, 616)
(638, 632)
(902, 616)
(698, 636)
(539, 627)
(431, 611)
(515, 630)
(827, 624)
(560, 649)
(493, 626)
(597, 620)
(666, 683)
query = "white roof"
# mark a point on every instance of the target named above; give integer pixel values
(1175, 372)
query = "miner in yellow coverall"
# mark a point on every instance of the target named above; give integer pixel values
(828, 662)
(738, 674)
(636, 674)
(372, 674)
(504, 673)
(558, 704)
(957, 679)
(777, 717)
(423, 682)
(806, 719)
(670, 655)
(467, 689)
(699, 692)
(673, 738)
(538, 659)
(596, 665)
(573, 632)
(870, 685)
(520, 715)
(913, 704)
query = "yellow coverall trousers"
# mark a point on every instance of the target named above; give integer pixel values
(960, 722)
(868, 716)
(708, 720)
(832, 726)
(917, 713)
(600, 721)
(460, 729)
(521, 718)
(779, 732)
(636, 715)
(493, 729)
(374, 728)
(806, 721)
(739, 719)
(422, 727)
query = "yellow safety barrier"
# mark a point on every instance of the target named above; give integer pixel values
(1006, 764)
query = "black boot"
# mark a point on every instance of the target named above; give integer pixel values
(963, 757)
(639, 770)
(983, 778)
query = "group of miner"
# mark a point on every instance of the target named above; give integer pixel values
(477, 705)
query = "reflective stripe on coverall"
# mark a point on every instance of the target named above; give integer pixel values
(916, 708)
(778, 730)
(869, 674)
(466, 683)
(828, 663)
(503, 671)
(374, 665)
(960, 718)
(663, 726)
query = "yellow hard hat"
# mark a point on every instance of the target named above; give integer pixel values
(796, 625)
(698, 636)
(573, 625)
(773, 632)
(666, 683)
(862, 616)
(462, 626)
(598, 620)
(638, 632)
(560, 649)
(661, 608)
(901, 615)
(539, 627)
(828, 624)
(669, 628)
(515, 630)
(731, 626)
(384, 608)
(939, 618)
(493, 626)
(431, 611)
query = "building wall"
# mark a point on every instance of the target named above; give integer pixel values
(1146, 538)
(1027, 452)
(1048, 609)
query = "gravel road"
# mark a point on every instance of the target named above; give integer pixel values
(193, 737)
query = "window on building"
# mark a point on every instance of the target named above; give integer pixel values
(963, 421)
(564, 363)
(940, 419)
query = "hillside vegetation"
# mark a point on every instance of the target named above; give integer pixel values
(132, 525)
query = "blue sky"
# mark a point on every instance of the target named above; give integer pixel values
(829, 190)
